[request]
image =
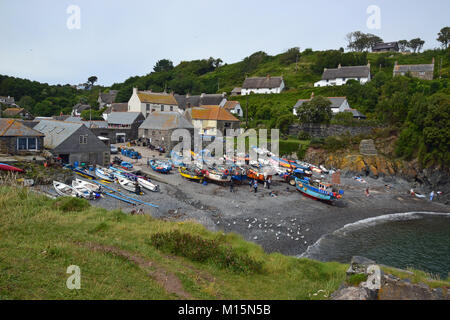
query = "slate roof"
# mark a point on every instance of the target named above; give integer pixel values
(336, 102)
(11, 112)
(157, 98)
(356, 113)
(236, 90)
(166, 121)
(346, 72)
(123, 118)
(385, 46)
(61, 118)
(81, 107)
(117, 107)
(7, 100)
(16, 128)
(109, 97)
(56, 132)
(230, 105)
(413, 68)
(212, 113)
(262, 82)
(199, 100)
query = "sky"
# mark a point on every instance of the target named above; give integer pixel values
(117, 39)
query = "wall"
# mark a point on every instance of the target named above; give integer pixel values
(163, 137)
(8, 145)
(323, 130)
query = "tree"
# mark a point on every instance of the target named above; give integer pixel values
(92, 80)
(403, 45)
(290, 56)
(360, 41)
(163, 65)
(444, 37)
(317, 110)
(416, 44)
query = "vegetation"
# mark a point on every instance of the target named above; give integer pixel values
(116, 253)
(315, 111)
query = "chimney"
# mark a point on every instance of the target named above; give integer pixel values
(432, 61)
(188, 95)
(312, 95)
(202, 95)
(325, 69)
(339, 66)
(224, 94)
(135, 91)
(368, 64)
(268, 76)
(172, 92)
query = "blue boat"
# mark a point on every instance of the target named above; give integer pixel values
(126, 165)
(317, 190)
(161, 166)
(104, 174)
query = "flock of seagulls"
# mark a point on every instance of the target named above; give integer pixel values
(289, 228)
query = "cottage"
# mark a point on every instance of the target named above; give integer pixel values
(187, 101)
(421, 71)
(262, 85)
(208, 120)
(107, 99)
(115, 107)
(158, 128)
(338, 104)
(356, 114)
(7, 100)
(123, 126)
(234, 107)
(79, 108)
(340, 75)
(18, 139)
(148, 102)
(73, 142)
(386, 47)
(17, 113)
(237, 91)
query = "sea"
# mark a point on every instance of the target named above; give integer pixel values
(420, 240)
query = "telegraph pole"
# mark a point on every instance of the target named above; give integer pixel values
(246, 115)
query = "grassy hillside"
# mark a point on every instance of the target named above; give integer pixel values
(138, 257)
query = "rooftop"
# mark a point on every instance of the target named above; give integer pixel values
(157, 98)
(166, 121)
(212, 113)
(262, 82)
(16, 128)
(56, 132)
(346, 72)
(123, 118)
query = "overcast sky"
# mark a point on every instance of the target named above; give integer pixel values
(118, 39)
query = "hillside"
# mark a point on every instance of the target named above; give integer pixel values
(138, 257)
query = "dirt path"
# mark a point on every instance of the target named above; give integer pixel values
(168, 280)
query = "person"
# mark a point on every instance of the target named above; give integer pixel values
(231, 185)
(412, 192)
(431, 195)
(255, 186)
(367, 192)
(251, 183)
(269, 181)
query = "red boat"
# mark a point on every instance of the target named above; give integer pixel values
(7, 167)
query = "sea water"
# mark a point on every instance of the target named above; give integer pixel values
(420, 240)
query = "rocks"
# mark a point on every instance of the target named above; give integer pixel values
(359, 265)
(351, 293)
(396, 289)
(367, 147)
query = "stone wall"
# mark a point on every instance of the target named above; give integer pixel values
(326, 130)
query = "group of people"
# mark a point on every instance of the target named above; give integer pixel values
(253, 183)
(432, 194)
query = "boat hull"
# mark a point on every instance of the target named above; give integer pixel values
(7, 167)
(147, 185)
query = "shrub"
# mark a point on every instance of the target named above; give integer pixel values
(69, 204)
(200, 249)
(302, 135)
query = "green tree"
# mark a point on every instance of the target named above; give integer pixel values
(92, 80)
(403, 45)
(163, 65)
(317, 110)
(444, 37)
(416, 44)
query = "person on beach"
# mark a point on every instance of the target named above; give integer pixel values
(269, 181)
(412, 192)
(367, 192)
(431, 195)
(251, 183)
(255, 186)
(231, 185)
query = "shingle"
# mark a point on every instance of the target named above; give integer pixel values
(262, 82)
(16, 128)
(346, 72)
(56, 132)
(166, 121)
(123, 118)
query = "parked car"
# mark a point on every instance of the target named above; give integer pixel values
(114, 150)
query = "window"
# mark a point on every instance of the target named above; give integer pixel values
(227, 124)
(83, 139)
(148, 107)
(27, 144)
(171, 108)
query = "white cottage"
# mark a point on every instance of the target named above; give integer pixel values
(338, 104)
(262, 85)
(147, 102)
(340, 75)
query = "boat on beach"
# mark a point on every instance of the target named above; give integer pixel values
(191, 173)
(65, 190)
(7, 167)
(126, 165)
(217, 175)
(317, 189)
(104, 174)
(78, 183)
(146, 184)
(130, 185)
(160, 166)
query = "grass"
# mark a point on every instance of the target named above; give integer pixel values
(41, 238)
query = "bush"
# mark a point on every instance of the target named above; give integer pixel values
(302, 135)
(69, 204)
(200, 249)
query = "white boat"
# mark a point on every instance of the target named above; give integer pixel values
(78, 184)
(104, 174)
(65, 190)
(147, 185)
(324, 170)
(130, 185)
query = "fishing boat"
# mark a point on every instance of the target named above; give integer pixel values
(147, 184)
(84, 173)
(65, 190)
(190, 173)
(7, 167)
(131, 186)
(260, 175)
(78, 183)
(317, 189)
(218, 176)
(104, 174)
(160, 166)
(86, 192)
(126, 165)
